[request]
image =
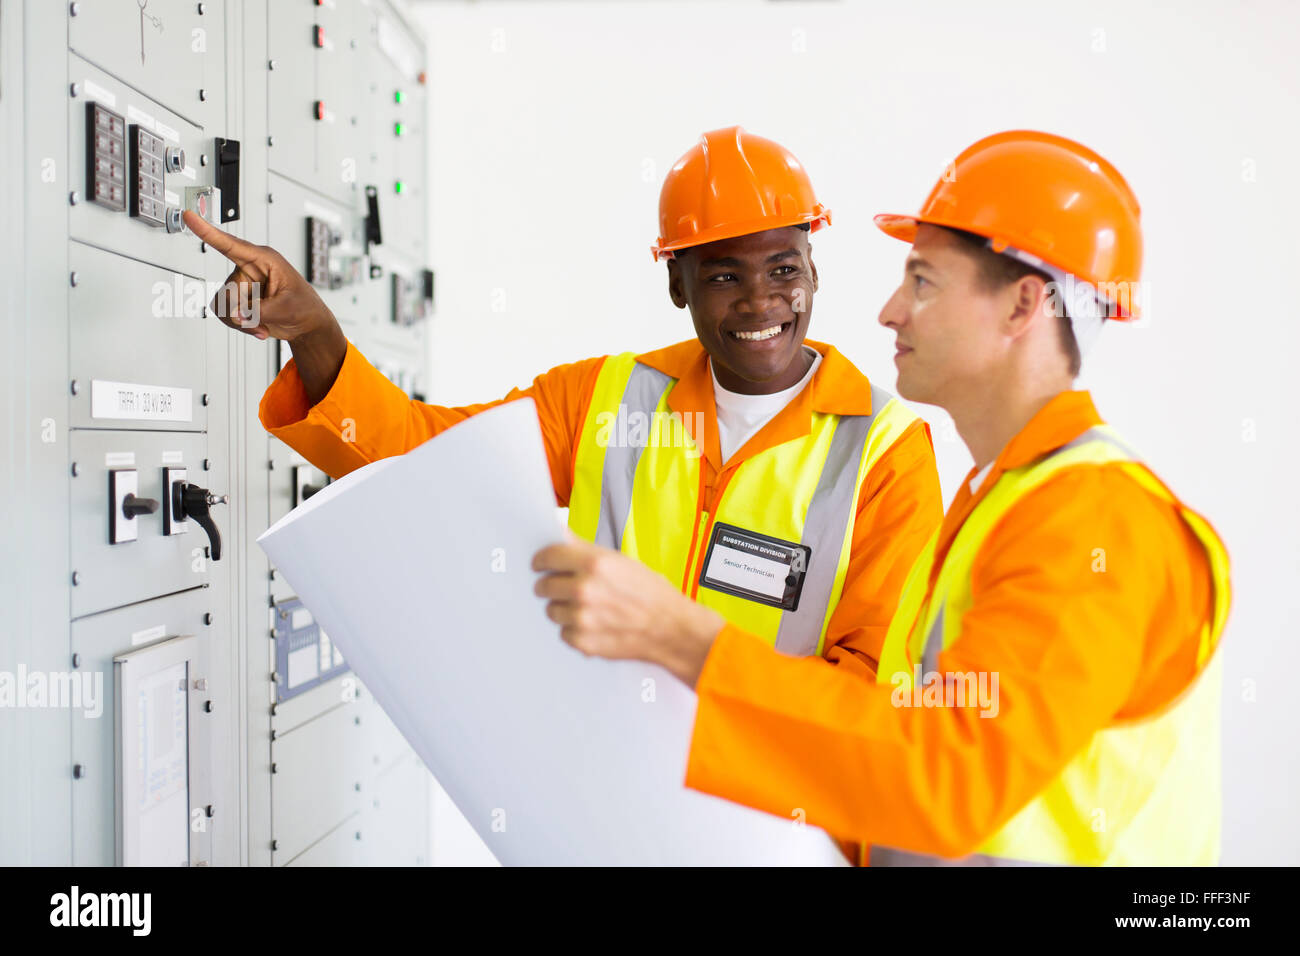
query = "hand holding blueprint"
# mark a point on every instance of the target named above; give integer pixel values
(418, 567)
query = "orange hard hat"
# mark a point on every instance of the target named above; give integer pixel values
(1047, 200)
(729, 184)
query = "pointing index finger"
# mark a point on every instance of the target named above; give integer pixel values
(233, 248)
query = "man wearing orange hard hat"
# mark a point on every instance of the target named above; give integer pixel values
(1048, 689)
(747, 442)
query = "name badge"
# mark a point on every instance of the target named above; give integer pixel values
(755, 566)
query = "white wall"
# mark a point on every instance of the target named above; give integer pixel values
(553, 124)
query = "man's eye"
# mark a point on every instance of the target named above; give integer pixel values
(919, 279)
(791, 268)
(723, 275)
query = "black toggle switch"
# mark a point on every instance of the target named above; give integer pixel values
(374, 232)
(227, 177)
(133, 507)
(309, 490)
(192, 501)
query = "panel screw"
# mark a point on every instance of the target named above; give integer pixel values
(274, 769)
(207, 618)
(76, 578)
(75, 470)
(78, 771)
(358, 834)
(73, 278)
(203, 95)
(74, 90)
(204, 399)
(74, 9)
(275, 845)
(270, 465)
(356, 787)
(210, 810)
(207, 707)
(73, 387)
(270, 141)
(271, 574)
(206, 464)
(270, 198)
(270, 65)
(74, 197)
(76, 660)
(275, 677)
(203, 159)
(203, 247)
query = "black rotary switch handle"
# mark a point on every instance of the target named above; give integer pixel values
(309, 490)
(133, 507)
(194, 502)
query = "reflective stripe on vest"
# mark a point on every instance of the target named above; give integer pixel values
(637, 487)
(1142, 791)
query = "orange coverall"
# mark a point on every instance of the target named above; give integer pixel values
(898, 509)
(1074, 650)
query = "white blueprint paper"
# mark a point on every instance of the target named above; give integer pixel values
(419, 568)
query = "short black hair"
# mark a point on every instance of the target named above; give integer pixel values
(995, 271)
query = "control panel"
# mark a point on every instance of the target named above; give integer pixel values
(143, 474)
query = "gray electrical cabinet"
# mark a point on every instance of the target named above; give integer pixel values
(164, 695)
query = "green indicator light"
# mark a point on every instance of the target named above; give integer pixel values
(397, 96)
(397, 186)
(397, 129)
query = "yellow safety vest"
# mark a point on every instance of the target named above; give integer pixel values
(637, 487)
(1141, 792)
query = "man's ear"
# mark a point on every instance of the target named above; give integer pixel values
(1025, 304)
(676, 284)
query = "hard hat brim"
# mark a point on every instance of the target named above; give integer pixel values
(734, 230)
(904, 228)
(898, 226)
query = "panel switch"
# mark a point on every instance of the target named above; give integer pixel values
(175, 521)
(125, 506)
(174, 159)
(305, 483)
(203, 201)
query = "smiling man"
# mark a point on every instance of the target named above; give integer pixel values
(754, 471)
(1048, 690)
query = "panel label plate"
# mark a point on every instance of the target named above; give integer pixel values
(154, 403)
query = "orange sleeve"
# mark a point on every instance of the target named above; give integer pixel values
(365, 417)
(899, 507)
(1069, 646)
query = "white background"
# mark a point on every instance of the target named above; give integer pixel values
(553, 124)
